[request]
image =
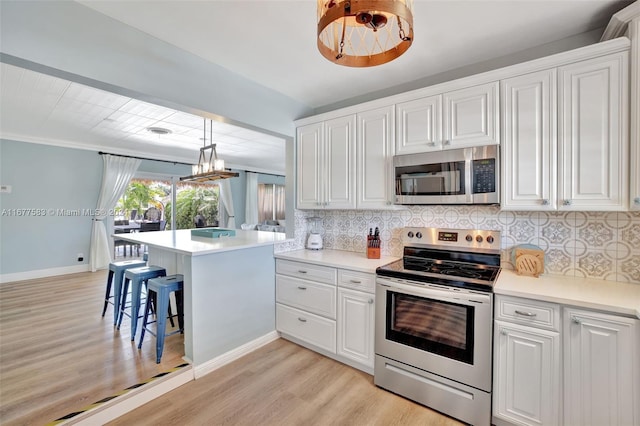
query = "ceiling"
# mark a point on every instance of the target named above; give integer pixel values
(274, 44)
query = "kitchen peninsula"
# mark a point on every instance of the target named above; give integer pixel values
(229, 286)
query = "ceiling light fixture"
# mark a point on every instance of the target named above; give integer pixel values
(364, 33)
(159, 130)
(209, 167)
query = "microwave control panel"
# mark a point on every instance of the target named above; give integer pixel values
(484, 176)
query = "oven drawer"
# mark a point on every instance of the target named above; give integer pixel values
(323, 274)
(309, 296)
(313, 329)
(530, 312)
(357, 280)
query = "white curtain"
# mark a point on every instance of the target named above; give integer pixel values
(227, 202)
(116, 175)
(251, 209)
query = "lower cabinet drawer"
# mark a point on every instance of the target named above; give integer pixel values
(311, 328)
(313, 297)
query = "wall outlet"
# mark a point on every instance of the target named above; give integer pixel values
(80, 257)
(5, 189)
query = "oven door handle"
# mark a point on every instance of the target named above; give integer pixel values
(435, 293)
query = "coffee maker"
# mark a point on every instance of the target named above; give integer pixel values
(314, 240)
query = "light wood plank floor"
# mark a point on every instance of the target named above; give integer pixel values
(58, 355)
(283, 384)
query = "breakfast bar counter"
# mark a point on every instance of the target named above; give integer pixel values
(229, 288)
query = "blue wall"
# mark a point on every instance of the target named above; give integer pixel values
(49, 178)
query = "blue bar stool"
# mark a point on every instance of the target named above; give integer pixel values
(115, 278)
(137, 277)
(162, 288)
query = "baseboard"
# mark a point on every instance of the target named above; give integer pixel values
(232, 355)
(131, 400)
(43, 273)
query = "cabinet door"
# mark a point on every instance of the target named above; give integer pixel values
(526, 375)
(634, 34)
(529, 142)
(600, 369)
(340, 163)
(375, 159)
(471, 117)
(309, 155)
(355, 326)
(593, 134)
(419, 125)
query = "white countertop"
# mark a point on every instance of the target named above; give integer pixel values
(337, 258)
(611, 296)
(181, 241)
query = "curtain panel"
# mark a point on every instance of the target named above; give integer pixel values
(116, 175)
(251, 209)
(227, 201)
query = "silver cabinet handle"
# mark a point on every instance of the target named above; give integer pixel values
(566, 203)
(503, 332)
(545, 202)
(302, 319)
(302, 288)
(371, 301)
(431, 144)
(356, 281)
(389, 203)
(526, 314)
(636, 201)
(447, 142)
(302, 271)
(576, 320)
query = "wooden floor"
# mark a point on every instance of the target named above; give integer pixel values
(58, 355)
(283, 384)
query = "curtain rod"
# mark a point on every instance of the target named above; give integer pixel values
(173, 162)
(143, 158)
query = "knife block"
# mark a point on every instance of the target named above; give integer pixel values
(373, 252)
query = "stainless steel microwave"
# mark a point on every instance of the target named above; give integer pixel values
(456, 176)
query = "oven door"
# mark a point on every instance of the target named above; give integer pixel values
(441, 330)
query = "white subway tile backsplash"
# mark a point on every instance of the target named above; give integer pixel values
(603, 245)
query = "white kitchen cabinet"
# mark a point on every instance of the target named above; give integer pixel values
(471, 117)
(327, 309)
(529, 142)
(601, 369)
(593, 134)
(527, 374)
(462, 118)
(326, 164)
(526, 362)
(374, 150)
(588, 111)
(419, 125)
(306, 303)
(634, 34)
(356, 326)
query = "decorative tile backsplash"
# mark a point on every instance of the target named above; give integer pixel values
(604, 245)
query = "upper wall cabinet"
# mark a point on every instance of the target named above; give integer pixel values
(456, 119)
(587, 170)
(634, 33)
(593, 107)
(529, 142)
(374, 152)
(326, 163)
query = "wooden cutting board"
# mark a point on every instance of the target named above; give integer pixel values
(529, 262)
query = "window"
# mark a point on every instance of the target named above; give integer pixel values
(270, 202)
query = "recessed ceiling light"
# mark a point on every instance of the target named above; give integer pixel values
(158, 130)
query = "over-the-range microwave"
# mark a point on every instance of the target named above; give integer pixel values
(456, 176)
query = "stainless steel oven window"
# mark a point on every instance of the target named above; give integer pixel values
(439, 327)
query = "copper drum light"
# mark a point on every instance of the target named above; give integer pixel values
(364, 33)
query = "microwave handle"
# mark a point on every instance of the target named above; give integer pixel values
(468, 178)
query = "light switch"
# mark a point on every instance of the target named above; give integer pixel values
(5, 189)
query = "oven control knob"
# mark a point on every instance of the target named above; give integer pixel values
(479, 238)
(490, 239)
(419, 234)
(469, 238)
(410, 234)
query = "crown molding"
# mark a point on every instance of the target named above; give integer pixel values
(619, 22)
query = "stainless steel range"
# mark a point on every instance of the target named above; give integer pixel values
(434, 321)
